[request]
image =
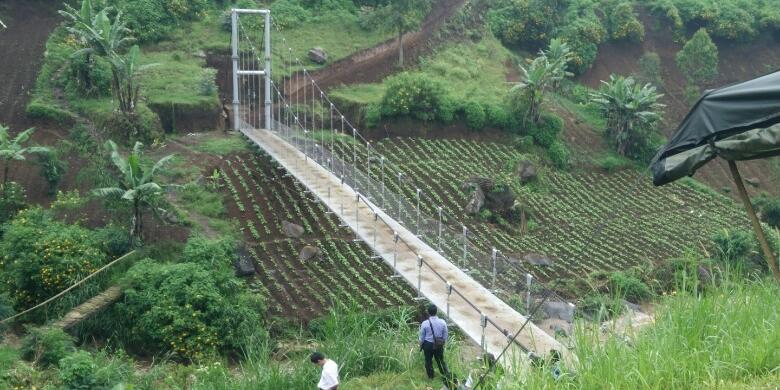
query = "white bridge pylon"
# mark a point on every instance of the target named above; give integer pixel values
(283, 134)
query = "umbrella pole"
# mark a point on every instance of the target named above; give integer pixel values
(770, 257)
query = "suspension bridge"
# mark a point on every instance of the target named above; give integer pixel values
(280, 107)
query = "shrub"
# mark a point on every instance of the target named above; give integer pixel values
(207, 86)
(600, 307)
(497, 116)
(6, 311)
(46, 345)
(14, 200)
(212, 254)
(148, 19)
(734, 246)
(629, 287)
(143, 126)
(698, 59)
(52, 169)
(115, 241)
(416, 95)
(559, 155)
(373, 115)
(288, 13)
(42, 256)
(88, 75)
(769, 207)
(612, 163)
(39, 109)
(583, 37)
(623, 23)
(650, 70)
(77, 371)
(186, 310)
(545, 133)
(475, 115)
(526, 23)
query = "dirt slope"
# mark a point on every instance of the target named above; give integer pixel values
(376, 63)
(21, 52)
(738, 61)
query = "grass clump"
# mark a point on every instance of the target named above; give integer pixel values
(222, 146)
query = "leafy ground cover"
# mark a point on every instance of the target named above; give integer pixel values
(258, 194)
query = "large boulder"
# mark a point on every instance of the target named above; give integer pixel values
(500, 199)
(309, 253)
(559, 309)
(292, 230)
(476, 202)
(318, 55)
(526, 172)
(243, 264)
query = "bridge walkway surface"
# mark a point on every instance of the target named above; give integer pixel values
(478, 313)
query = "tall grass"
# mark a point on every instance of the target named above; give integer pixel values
(720, 339)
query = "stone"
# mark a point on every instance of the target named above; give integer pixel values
(558, 309)
(309, 252)
(526, 172)
(476, 202)
(318, 55)
(244, 265)
(538, 259)
(500, 200)
(292, 230)
(631, 306)
(558, 329)
(705, 275)
(753, 181)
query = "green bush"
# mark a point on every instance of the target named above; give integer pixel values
(650, 70)
(38, 109)
(373, 115)
(88, 75)
(698, 59)
(583, 37)
(559, 155)
(525, 23)
(289, 13)
(77, 371)
(6, 311)
(418, 96)
(12, 200)
(475, 115)
(212, 254)
(42, 256)
(497, 116)
(600, 307)
(613, 163)
(45, 345)
(187, 310)
(629, 287)
(739, 248)
(769, 208)
(143, 126)
(52, 168)
(623, 23)
(115, 241)
(148, 19)
(545, 133)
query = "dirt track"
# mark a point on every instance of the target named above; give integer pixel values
(21, 52)
(376, 63)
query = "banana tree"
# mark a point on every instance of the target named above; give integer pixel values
(535, 81)
(136, 184)
(13, 149)
(630, 109)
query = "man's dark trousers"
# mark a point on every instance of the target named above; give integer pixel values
(430, 354)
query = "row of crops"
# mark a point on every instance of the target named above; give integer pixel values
(636, 222)
(260, 196)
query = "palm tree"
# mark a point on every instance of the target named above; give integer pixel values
(13, 149)
(136, 185)
(558, 55)
(630, 109)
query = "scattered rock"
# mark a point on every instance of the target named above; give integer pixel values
(309, 252)
(631, 306)
(705, 275)
(753, 181)
(244, 265)
(538, 259)
(169, 216)
(500, 200)
(318, 55)
(292, 230)
(484, 183)
(559, 329)
(199, 54)
(558, 309)
(476, 202)
(526, 171)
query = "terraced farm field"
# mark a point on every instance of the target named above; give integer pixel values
(641, 223)
(261, 197)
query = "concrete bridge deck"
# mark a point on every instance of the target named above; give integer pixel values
(341, 199)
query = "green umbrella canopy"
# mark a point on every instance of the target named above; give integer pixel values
(737, 122)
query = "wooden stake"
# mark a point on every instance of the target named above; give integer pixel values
(770, 257)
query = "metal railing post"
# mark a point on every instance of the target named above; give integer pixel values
(465, 249)
(418, 213)
(376, 222)
(357, 215)
(341, 198)
(449, 294)
(494, 257)
(267, 70)
(438, 245)
(528, 280)
(396, 274)
(234, 44)
(400, 180)
(382, 165)
(483, 323)
(354, 154)
(419, 278)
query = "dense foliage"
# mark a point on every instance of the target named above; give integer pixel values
(418, 96)
(46, 345)
(42, 256)
(698, 59)
(739, 20)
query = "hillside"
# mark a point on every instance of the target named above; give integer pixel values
(508, 145)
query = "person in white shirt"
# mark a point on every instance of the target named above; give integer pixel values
(329, 379)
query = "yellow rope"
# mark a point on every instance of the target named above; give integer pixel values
(63, 292)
